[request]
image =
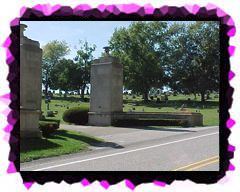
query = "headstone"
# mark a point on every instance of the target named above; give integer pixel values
(50, 114)
(106, 90)
(166, 97)
(162, 98)
(183, 108)
(30, 86)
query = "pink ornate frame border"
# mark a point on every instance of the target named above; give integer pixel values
(101, 12)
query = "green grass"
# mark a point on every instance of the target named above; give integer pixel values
(64, 103)
(209, 108)
(59, 143)
(210, 115)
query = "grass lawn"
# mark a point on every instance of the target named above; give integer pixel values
(61, 105)
(209, 108)
(66, 142)
(59, 143)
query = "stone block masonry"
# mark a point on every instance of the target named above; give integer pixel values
(106, 90)
(30, 86)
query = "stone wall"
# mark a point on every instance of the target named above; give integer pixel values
(193, 119)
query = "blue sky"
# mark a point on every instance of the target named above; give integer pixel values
(95, 32)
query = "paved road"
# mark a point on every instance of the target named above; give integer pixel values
(140, 149)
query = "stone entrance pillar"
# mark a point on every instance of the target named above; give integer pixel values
(106, 90)
(30, 86)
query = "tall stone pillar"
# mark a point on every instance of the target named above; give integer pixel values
(30, 85)
(106, 90)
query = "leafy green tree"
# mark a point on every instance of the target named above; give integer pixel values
(63, 74)
(179, 59)
(194, 59)
(52, 53)
(84, 59)
(140, 48)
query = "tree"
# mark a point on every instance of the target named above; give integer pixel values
(180, 52)
(84, 59)
(63, 74)
(194, 58)
(52, 53)
(208, 57)
(138, 48)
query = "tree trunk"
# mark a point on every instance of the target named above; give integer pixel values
(65, 94)
(145, 95)
(195, 96)
(202, 96)
(46, 89)
(82, 91)
(46, 84)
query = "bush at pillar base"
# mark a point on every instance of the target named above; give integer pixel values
(48, 126)
(76, 115)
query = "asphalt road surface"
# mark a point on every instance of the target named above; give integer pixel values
(140, 149)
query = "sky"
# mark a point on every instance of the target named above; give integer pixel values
(95, 32)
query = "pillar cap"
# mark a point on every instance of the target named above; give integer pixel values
(22, 29)
(107, 49)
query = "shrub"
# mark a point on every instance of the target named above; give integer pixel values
(48, 126)
(76, 115)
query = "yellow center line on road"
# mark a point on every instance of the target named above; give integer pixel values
(198, 163)
(202, 165)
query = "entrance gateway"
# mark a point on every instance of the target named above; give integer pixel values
(106, 98)
(106, 101)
